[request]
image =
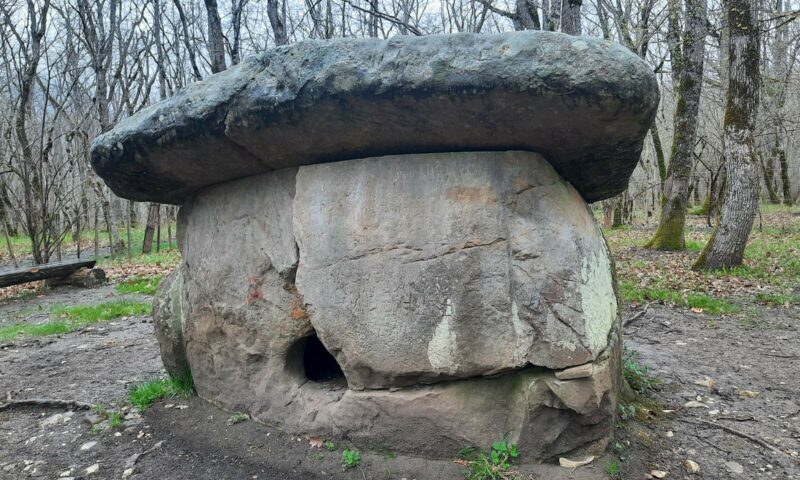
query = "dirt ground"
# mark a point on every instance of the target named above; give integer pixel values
(728, 433)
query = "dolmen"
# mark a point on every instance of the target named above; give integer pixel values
(388, 241)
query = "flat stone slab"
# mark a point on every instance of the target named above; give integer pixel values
(585, 104)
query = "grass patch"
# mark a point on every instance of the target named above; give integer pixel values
(708, 304)
(88, 314)
(694, 246)
(10, 332)
(74, 318)
(166, 257)
(145, 394)
(143, 285)
(778, 299)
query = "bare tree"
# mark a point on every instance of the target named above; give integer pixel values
(670, 232)
(216, 41)
(30, 171)
(725, 249)
(278, 22)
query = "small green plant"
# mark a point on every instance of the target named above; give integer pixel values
(113, 417)
(143, 285)
(613, 468)
(619, 448)
(329, 445)
(238, 417)
(143, 395)
(114, 420)
(319, 455)
(637, 375)
(626, 412)
(351, 458)
(494, 465)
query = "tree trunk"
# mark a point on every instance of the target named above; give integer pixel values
(726, 247)
(670, 232)
(768, 170)
(216, 42)
(277, 22)
(149, 230)
(662, 164)
(571, 16)
(787, 184)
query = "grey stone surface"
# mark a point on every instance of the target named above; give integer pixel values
(168, 323)
(451, 288)
(424, 268)
(584, 103)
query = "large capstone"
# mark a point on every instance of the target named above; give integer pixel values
(584, 103)
(388, 241)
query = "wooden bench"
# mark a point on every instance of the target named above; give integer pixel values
(42, 272)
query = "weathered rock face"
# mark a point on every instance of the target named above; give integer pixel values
(583, 103)
(421, 268)
(482, 274)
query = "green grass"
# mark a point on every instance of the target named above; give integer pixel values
(694, 246)
(712, 305)
(74, 318)
(114, 419)
(144, 394)
(165, 257)
(88, 314)
(10, 332)
(143, 285)
(778, 299)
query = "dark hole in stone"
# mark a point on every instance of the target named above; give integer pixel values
(318, 364)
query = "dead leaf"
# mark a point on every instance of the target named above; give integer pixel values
(706, 382)
(659, 474)
(694, 404)
(748, 394)
(316, 441)
(695, 310)
(567, 463)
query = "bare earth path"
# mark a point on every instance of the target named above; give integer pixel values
(757, 351)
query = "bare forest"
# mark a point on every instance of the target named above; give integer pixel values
(726, 129)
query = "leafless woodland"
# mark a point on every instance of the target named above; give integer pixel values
(727, 134)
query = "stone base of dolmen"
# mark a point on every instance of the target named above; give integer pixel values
(420, 303)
